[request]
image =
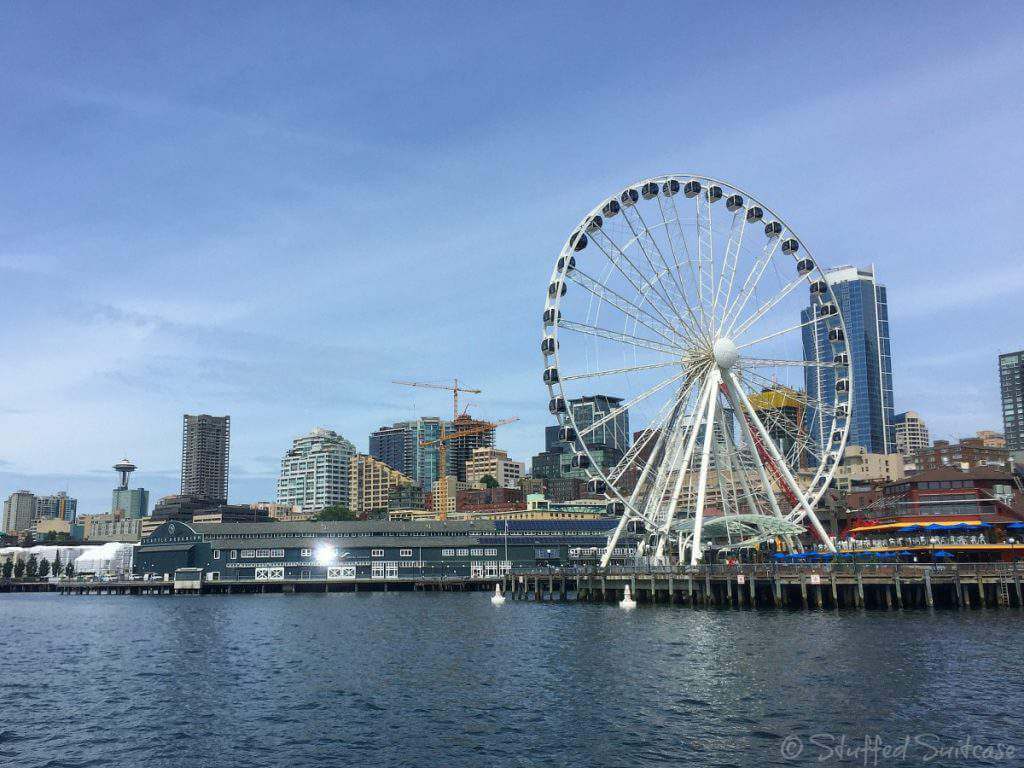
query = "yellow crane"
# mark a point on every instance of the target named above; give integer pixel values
(442, 469)
(454, 388)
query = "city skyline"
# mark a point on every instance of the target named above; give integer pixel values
(136, 342)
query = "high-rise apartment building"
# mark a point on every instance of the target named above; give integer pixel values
(19, 512)
(370, 483)
(911, 433)
(1011, 387)
(607, 443)
(56, 506)
(548, 464)
(205, 447)
(613, 433)
(459, 450)
(315, 471)
(496, 464)
(865, 310)
(400, 446)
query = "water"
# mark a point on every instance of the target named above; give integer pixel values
(405, 679)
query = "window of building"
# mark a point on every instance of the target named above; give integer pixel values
(463, 553)
(307, 553)
(216, 554)
(447, 553)
(405, 553)
(376, 553)
(234, 554)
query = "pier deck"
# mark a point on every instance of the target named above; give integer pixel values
(819, 586)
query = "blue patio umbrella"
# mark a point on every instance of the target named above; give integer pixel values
(941, 553)
(1013, 526)
(909, 529)
(983, 525)
(779, 555)
(887, 555)
(906, 553)
(827, 555)
(935, 527)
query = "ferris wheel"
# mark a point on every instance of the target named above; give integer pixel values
(698, 365)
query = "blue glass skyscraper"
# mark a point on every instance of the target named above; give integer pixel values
(865, 310)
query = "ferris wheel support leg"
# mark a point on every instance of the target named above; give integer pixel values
(666, 528)
(784, 469)
(748, 437)
(748, 494)
(702, 479)
(623, 522)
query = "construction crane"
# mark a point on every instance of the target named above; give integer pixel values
(442, 469)
(454, 388)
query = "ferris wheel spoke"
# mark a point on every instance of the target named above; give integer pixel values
(613, 371)
(650, 279)
(651, 432)
(674, 283)
(751, 282)
(766, 307)
(624, 338)
(689, 258)
(693, 334)
(615, 412)
(808, 401)
(732, 249)
(783, 332)
(616, 262)
(705, 250)
(625, 306)
(762, 362)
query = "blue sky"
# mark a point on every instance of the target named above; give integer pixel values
(272, 210)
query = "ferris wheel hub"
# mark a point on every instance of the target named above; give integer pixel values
(725, 352)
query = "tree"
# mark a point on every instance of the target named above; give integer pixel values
(44, 568)
(335, 512)
(56, 564)
(488, 481)
(19, 568)
(69, 569)
(32, 569)
(8, 568)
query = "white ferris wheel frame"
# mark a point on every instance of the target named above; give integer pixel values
(695, 332)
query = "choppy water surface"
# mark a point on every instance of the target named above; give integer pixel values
(449, 680)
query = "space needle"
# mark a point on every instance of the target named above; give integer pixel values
(124, 468)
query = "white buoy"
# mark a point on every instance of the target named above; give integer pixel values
(497, 598)
(627, 600)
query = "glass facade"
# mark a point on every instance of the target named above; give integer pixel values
(134, 502)
(399, 446)
(613, 433)
(865, 310)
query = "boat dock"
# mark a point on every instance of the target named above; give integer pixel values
(809, 586)
(960, 585)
